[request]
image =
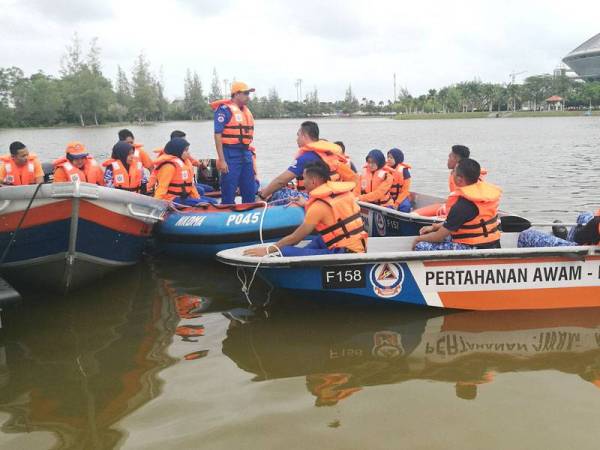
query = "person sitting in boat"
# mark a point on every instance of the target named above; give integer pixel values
(332, 211)
(20, 167)
(587, 232)
(202, 188)
(348, 160)
(123, 170)
(77, 165)
(376, 180)
(311, 149)
(457, 154)
(139, 153)
(174, 174)
(472, 220)
(400, 191)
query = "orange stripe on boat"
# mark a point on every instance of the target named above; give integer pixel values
(546, 298)
(38, 215)
(516, 260)
(114, 221)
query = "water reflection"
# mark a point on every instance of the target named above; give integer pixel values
(74, 366)
(341, 353)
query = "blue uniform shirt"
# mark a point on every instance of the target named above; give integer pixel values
(297, 168)
(222, 117)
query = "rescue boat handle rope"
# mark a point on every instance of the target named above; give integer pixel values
(13, 238)
(247, 285)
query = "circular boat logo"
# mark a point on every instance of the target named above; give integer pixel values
(380, 224)
(386, 279)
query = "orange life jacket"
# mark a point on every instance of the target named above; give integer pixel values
(182, 182)
(349, 227)
(330, 153)
(91, 172)
(240, 128)
(484, 228)
(16, 175)
(369, 181)
(398, 183)
(129, 180)
(161, 150)
(452, 185)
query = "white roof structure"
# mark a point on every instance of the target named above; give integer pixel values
(585, 59)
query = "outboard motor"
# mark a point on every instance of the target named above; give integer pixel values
(48, 169)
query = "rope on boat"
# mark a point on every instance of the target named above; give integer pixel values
(241, 273)
(13, 238)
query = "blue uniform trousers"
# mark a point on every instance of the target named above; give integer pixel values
(315, 247)
(240, 175)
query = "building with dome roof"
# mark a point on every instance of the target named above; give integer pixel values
(585, 59)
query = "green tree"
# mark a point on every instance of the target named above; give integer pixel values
(215, 88)
(38, 100)
(195, 105)
(86, 91)
(145, 101)
(123, 91)
(9, 78)
(351, 104)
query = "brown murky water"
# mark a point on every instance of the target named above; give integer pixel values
(168, 355)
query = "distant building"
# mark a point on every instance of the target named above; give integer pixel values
(585, 59)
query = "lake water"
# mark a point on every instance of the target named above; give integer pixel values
(168, 354)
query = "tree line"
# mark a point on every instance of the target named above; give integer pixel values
(83, 95)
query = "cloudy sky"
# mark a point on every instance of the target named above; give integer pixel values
(326, 43)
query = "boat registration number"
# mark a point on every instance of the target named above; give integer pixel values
(343, 277)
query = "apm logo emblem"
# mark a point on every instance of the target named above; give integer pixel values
(387, 279)
(380, 224)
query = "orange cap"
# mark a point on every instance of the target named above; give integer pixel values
(76, 149)
(240, 86)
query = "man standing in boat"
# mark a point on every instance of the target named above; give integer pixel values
(20, 167)
(234, 133)
(472, 220)
(331, 210)
(311, 149)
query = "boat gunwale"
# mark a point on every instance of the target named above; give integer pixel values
(233, 257)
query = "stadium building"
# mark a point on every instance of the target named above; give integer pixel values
(585, 59)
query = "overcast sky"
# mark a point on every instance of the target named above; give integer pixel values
(326, 43)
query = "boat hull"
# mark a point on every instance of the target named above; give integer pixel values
(202, 232)
(498, 279)
(73, 233)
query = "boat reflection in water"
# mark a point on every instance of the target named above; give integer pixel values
(75, 366)
(341, 353)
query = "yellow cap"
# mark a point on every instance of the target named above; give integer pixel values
(240, 86)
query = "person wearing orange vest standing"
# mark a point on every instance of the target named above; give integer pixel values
(77, 165)
(331, 211)
(234, 133)
(311, 149)
(123, 170)
(20, 167)
(139, 153)
(376, 180)
(472, 220)
(175, 180)
(400, 191)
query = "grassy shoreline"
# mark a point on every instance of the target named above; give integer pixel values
(493, 115)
